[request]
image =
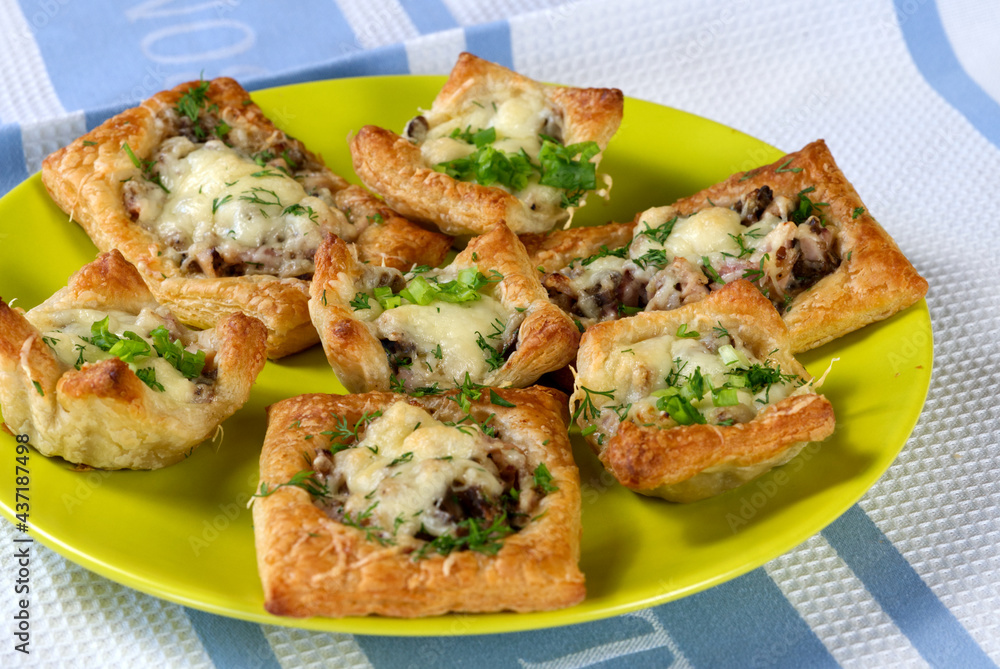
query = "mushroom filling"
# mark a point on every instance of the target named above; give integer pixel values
(684, 378)
(221, 208)
(420, 481)
(781, 245)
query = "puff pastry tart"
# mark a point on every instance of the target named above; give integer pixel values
(218, 209)
(102, 375)
(485, 318)
(494, 146)
(688, 403)
(468, 501)
(795, 228)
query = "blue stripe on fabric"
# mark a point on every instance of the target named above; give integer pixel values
(429, 16)
(491, 41)
(383, 60)
(12, 168)
(931, 51)
(232, 643)
(917, 612)
(158, 45)
(746, 622)
(630, 641)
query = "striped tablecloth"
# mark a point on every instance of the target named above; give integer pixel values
(904, 92)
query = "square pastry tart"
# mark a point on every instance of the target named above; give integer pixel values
(796, 229)
(485, 318)
(102, 375)
(495, 146)
(219, 210)
(392, 505)
(688, 403)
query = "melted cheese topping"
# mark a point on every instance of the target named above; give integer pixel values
(595, 272)
(708, 231)
(445, 149)
(517, 120)
(222, 201)
(453, 327)
(714, 234)
(67, 330)
(640, 369)
(405, 465)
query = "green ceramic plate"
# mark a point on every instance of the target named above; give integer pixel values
(183, 533)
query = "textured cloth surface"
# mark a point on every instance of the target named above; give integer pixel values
(905, 94)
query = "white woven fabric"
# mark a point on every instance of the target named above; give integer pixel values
(377, 22)
(839, 609)
(27, 93)
(304, 649)
(972, 27)
(80, 619)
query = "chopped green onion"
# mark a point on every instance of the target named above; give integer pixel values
(724, 397)
(385, 297)
(684, 333)
(730, 356)
(419, 291)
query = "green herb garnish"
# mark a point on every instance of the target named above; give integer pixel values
(561, 169)
(805, 207)
(604, 252)
(480, 138)
(684, 333)
(258, 195)
(345, 434)
(499, 401)
(488, 166)
(360, 301)
(193, 101)
(404, 458)
(710, 271)
(148, 376)
(187, 363)
(219, 201)
(660, 233)
(586, 407)
(472, 534)
(305, 479)
(146, 166)
(784, 167)
(494, 356)
(543, 479)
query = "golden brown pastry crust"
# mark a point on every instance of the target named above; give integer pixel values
(688, 463)
(103, 415)
(392, 166)
(86, 179)
(312, 565)
(546, 340)
(874, 279)
(554, 250)
(386, 238)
